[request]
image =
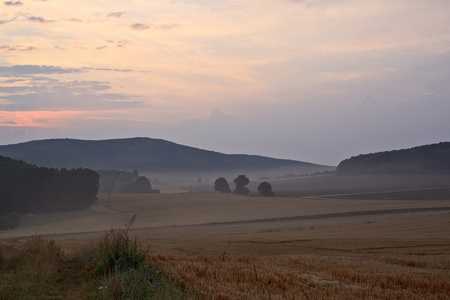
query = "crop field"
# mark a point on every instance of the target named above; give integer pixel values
(341, 242)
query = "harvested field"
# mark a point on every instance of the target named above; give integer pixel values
(371, 244)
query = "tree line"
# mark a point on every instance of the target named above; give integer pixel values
(25, 188)
(112, 181)
(221, 185)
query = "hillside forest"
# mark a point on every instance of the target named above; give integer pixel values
(25, 188)
(428, 159)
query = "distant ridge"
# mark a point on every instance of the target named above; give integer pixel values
(147, 156)
(428, 159)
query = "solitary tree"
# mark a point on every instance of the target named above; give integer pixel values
(265, 189)
(240, 182)
(221, 185)
(143, 185)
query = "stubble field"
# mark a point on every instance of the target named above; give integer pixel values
(338, 242)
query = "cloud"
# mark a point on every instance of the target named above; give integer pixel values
(20, 70)
(74, 20)
(39, 20)
(28, 90)
(6, 21)
(17, 48)
(305, 3)
(119, 44)
(101, 47)
(57, 95)
(67, 99)
(107, 69)
(12, 80)
(11, 3)
(168, 26)
(8, 123)
(117, 14)
(140, 26)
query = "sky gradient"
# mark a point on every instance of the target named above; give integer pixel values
(315, 81)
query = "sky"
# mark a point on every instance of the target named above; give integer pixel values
(316, 81)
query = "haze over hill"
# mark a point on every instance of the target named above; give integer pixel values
(428, 159)
(150, 156)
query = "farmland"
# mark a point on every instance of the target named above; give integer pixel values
(376, 239)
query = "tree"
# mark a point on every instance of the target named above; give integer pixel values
(13, 219)
(140, 186)
(221, 185)
(10, 221)
(143, 185)
(240, 182)
(3, 223)
(265, 189)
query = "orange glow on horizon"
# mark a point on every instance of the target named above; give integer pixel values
(37, 118)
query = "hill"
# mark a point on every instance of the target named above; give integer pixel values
(149, 156)
(428, 159)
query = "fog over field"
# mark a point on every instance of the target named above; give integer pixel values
(304, 202)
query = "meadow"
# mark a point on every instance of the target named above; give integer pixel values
(371, 240)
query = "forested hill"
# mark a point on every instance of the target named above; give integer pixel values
(145, 155)
(429, 159)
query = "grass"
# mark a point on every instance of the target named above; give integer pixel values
(114, 267)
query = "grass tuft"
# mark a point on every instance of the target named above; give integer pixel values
(116, 251)
(120, 263)
(115, 267)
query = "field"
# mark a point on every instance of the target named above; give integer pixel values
(321, 238)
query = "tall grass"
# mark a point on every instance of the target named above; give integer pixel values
(117, 252)
(33, 270)
(114, 267)
(120, 264)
